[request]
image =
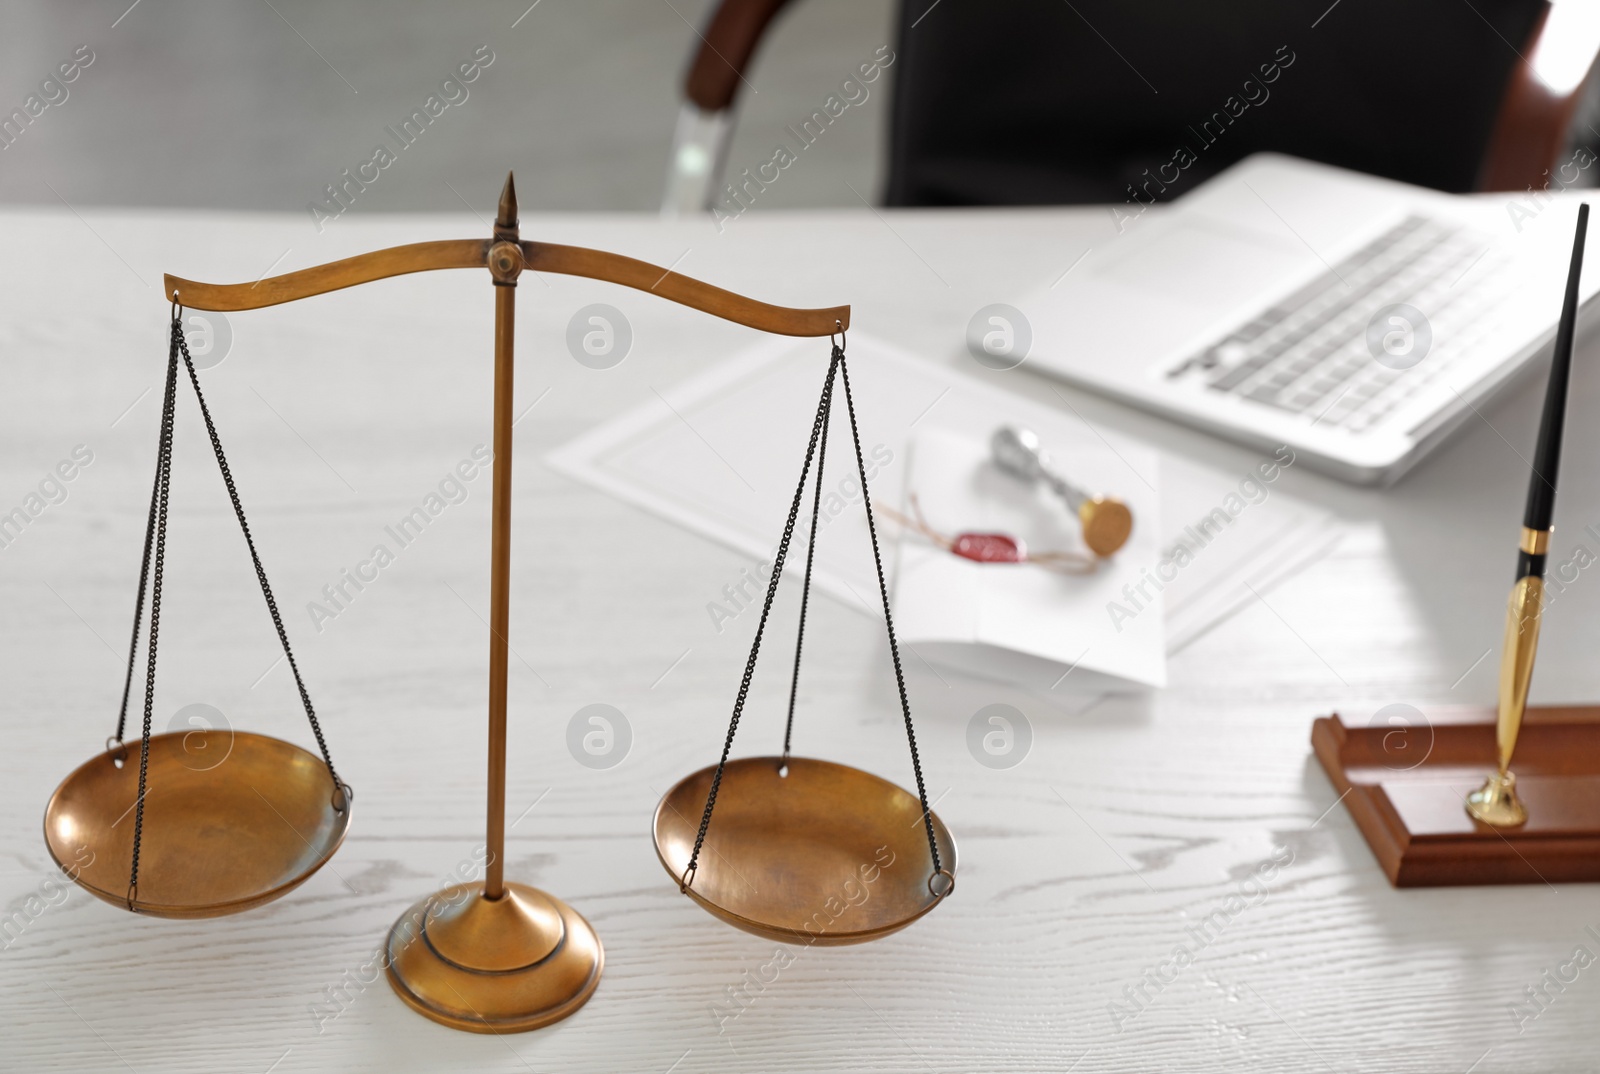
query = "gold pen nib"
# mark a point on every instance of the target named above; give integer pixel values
(1496, 803)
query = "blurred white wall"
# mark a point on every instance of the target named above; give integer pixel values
(260, 104)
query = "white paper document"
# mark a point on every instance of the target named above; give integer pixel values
(1230, 537)
(721, 455)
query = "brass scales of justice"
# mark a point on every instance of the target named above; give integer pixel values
(793, 838)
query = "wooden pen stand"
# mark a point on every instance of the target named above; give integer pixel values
(1406, 789)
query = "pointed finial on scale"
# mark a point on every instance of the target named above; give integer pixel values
(508, 203)
(505, 258)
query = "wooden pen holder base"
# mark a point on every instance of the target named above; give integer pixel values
(1406, 787)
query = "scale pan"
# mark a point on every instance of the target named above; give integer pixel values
(826, 855)
(232, 820)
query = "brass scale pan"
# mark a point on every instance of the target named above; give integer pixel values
(801, 850)
(229, 820)
(825, 855)
(233, 820)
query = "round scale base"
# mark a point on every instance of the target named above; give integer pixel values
(505, 965)
(1496, 803)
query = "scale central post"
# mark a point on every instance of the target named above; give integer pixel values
(505, 263)
(500, 957)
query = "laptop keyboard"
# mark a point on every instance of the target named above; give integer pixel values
(1308, 354)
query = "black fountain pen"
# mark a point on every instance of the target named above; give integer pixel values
(1496, 803)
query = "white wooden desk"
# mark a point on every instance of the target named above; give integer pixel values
(1131, 822)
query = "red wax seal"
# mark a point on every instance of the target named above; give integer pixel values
(988, 547)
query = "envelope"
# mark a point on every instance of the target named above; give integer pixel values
(1021, 623)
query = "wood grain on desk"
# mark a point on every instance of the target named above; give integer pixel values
(1194, 819)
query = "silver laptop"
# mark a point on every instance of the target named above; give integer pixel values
(1356, 320)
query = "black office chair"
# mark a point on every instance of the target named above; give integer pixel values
(1032, 102)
